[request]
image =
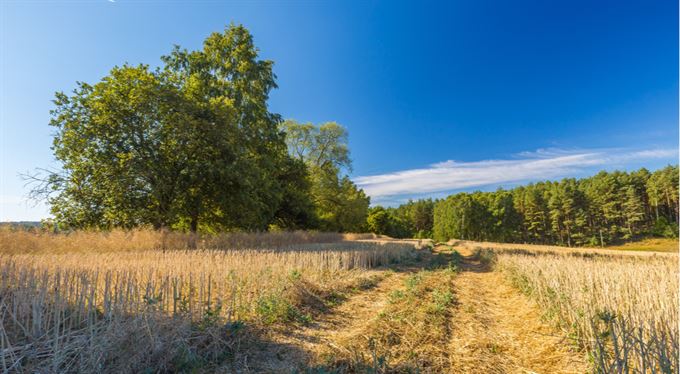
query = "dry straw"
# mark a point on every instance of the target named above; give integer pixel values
(622, 309)
(32, 241)
(111, 301)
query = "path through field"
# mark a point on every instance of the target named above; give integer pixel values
(322, 341)
(350, 320)
(498, 330)
(489, 328)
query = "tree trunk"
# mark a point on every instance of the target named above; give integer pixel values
(672, 207)
(568, 236)
(193, 227)
(656, 209)
(164, 237)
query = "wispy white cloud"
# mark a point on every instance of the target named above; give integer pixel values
(526, 166)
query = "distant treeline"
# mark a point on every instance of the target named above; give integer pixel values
(602, 209)
(414, 219)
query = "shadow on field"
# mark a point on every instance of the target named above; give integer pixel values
(466, 260)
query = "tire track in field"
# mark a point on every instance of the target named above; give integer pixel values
(351, 318)
(322, 341)
(496, 329)
(359, 335)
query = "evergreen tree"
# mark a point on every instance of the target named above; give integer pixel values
(602, 209)
(633, 211)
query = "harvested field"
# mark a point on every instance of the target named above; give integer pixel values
(323, 303)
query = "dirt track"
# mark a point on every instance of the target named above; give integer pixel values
(494, 328)
(499, 330)
(325, 338)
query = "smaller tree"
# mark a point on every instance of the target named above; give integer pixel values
(423, 218)
(378, 220)
(320, 147)
(633, 211)
(340, 205)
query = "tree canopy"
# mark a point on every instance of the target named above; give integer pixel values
(411, 220)
(191, 142)
(339, 204)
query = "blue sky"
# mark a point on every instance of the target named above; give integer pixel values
(437, 96)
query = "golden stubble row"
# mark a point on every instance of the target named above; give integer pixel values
(42, 291)
(554, 249)
(20, 241)
(624, 310)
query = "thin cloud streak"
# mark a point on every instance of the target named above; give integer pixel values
(541, 164)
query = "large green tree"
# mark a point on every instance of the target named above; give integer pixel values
(190, 143)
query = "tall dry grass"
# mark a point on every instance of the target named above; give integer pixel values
(34, 240)
(555, 249)
(623, 310)
(129, 308)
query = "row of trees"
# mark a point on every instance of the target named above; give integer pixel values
(411, 220)
(605, 208)
(602, 209)
(192, 145)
